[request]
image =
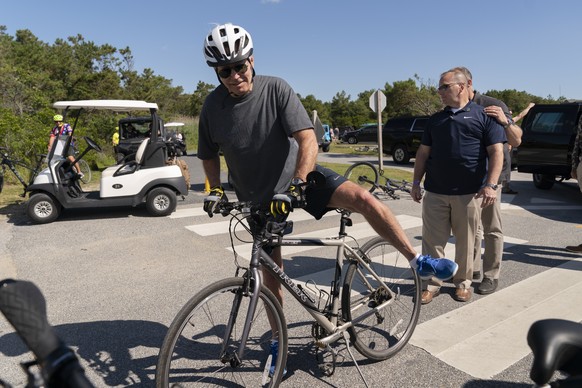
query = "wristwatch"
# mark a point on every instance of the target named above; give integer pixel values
(494, 187)
(509, 122)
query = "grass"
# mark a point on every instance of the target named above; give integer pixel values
(11, 193)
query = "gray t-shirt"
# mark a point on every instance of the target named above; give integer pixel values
(254, 133)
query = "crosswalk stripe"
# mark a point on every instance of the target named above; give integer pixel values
(358, 231)
(495, 326)
(323, 278)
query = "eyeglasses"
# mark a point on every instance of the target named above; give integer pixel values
(444, 87)
(239, 69)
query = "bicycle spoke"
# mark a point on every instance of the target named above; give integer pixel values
(194, 352)
(382, 333)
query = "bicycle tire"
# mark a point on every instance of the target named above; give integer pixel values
(190, 354)
(363, 169)
(86, 170)
(381, 335)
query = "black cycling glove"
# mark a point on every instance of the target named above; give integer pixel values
(282, 204)
(215, 197)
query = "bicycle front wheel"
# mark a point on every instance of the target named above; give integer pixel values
(85, 170)
(198, 352)
(383, 333)
(363, 174)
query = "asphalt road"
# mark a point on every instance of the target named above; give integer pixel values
(115, 278)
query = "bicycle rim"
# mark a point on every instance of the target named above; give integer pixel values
(384, 333)
(86, 170)
(191, 353)
(358, 171)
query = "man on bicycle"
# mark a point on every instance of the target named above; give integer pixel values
(270, 146)
(64, 129)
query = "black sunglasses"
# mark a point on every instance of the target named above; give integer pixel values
(239, 69)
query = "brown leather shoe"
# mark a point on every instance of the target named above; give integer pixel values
(427, 296)
(574, 248)
(463, 294)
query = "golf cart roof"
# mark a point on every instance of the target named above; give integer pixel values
(173, 124)
(114, 105)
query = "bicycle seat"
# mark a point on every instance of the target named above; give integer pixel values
(556, 345)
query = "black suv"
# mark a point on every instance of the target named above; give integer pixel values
(366, 133)
(401, 137)
(549, 131)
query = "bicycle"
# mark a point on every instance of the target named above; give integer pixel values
(366, 175)
(83, 165)
(14, 164)
(55, 365)
(221, 336)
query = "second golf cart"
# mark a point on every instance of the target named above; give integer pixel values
(147, 178)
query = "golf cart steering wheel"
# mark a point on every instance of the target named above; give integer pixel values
(92, 144)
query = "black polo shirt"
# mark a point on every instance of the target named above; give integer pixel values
(457, 163)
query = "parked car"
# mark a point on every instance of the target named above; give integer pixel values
(401, 137)
(548, 137)
(342, 131)
(366, 133)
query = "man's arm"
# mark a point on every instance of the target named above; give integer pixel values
(212, 170)
(512, 130)
(495, 164)
(307, 155)
(524, 112)
(495, 152)
(419, 171)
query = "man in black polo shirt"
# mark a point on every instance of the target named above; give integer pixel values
(460, 156)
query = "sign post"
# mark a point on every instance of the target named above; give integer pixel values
(377, 104)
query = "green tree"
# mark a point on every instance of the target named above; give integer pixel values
(340, 110)
(197, 99)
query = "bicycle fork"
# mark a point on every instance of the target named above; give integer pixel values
(250, 287)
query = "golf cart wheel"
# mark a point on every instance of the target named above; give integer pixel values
(161, 201)
(43, 208)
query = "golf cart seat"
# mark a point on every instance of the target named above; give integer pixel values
(128, 167)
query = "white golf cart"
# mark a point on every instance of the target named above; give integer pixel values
(147, 178)
(175, 138)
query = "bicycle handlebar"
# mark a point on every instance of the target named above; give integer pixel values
(24, 307)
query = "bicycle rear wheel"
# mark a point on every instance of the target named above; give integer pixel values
(363, 174)
(382, 334)
(85, 170)
(190, 355)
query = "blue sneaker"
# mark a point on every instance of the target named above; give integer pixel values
(274, 354)
(442, 269)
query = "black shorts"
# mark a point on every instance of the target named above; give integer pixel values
(318, 197)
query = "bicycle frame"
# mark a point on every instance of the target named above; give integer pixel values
(261, 259)
(12, 164)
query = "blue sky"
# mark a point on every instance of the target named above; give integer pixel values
(323, 47)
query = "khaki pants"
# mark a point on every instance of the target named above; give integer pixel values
(491, 230)
(442, 214)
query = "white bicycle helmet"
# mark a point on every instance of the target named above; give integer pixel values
(227, 44)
